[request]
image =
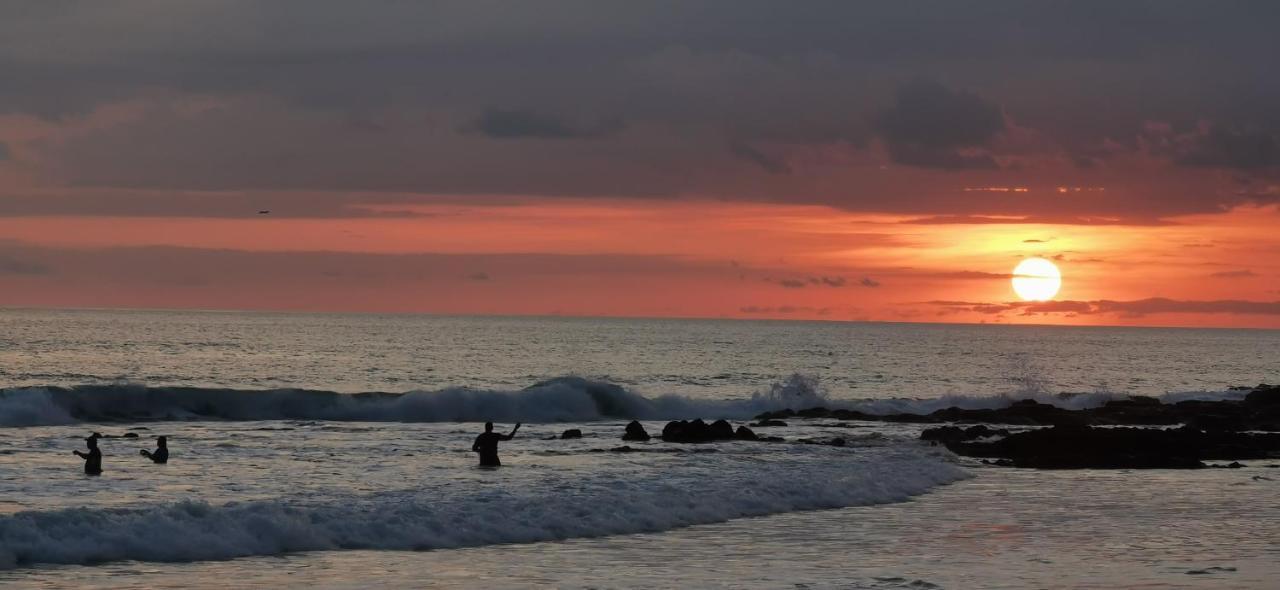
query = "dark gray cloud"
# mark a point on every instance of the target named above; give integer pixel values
(869, 282)
(479, 276)
(1240, 150)
(14, 266)
(932, 126)
(743, 99)
(526, 124)
(770, 164)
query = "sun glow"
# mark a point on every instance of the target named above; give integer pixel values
(1036, 279)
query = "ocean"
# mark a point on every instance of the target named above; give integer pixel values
(334, 451)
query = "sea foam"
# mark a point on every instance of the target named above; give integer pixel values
(698, 490)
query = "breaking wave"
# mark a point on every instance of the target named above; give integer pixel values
(563, 399)
(590, 506)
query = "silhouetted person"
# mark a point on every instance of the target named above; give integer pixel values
(487, 444)
(92, 459)
(161, 454)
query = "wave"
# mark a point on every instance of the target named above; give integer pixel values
(563, 399)
(699, 491)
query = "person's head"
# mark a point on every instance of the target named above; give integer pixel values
(162, 442)
(92, 440)
(488, 426)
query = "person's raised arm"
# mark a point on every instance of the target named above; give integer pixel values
(475, 447)
(81, 455)
(513, 432)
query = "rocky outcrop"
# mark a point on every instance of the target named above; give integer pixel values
(1075, 447)
(1259, 410)
(571, 433)
(697, 431)
(635, 431)
(950, 434)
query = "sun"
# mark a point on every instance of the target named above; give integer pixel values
(1036, 279)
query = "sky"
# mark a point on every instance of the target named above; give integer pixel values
(866, 161)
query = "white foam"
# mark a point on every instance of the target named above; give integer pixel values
(698, 490)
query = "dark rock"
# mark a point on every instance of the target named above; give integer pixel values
(787, 413)
(1259, 410)
(744, 433)
(830, 442)
(1073, 447)
(948, 434)
(1264, 395)
(767, 423)
(636, 431)
(571, 433)
(130, 435)
(697, 431)
(721, 429)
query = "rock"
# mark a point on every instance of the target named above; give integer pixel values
(774, 415)
(721, 429)
(636, 431)
(571, 433)
(948, 434)
(1259, 410)
(1264, 395)
(767, 423)
(130, 435)
(744, 433)
(1075, 447)
(697, 431)
(830, 442)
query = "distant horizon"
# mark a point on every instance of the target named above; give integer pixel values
(11, 308)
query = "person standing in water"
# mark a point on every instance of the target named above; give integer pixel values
(487, 444)
(92, 459)
(161, 454)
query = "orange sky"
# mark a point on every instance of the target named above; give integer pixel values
(630, 257)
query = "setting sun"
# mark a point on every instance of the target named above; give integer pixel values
(1036, 279)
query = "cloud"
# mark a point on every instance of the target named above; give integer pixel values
(932, 126)
(1034, 220)
(478, 276)
(817, 281)
(869, 282)
(1234, 274)
(527, 124)
(768, 163)
(784, 309)
(15, 266)
(1135, 308)
(327, 96)
(4, 151)
(1224, 148)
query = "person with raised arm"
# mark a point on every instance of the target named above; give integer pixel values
(487, 444)
(92, 459)
(161, 454)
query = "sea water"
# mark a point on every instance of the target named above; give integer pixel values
(334, 451)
